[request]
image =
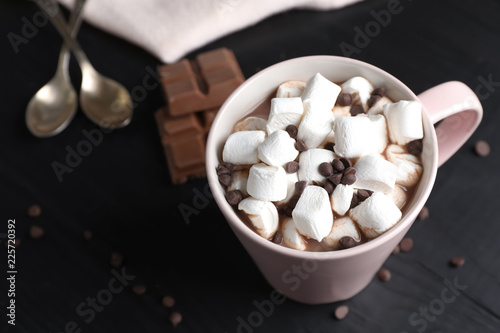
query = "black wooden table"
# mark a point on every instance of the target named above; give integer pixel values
(122, 192)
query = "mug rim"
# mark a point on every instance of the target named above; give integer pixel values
(235, 222)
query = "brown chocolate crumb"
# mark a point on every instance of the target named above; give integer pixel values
(373, 100)
(329, 187)
(329, 146)
(341, 312)
(356, 109)
(346, 242)
(301, 146)
(424, 213)
(87, 234)
(292, 167)
(139, 289)
(300, 186)
(336, 178)
(338, 165)
(406, 244)
(34, 211)
(482, 148)
(396, 250)
(457, 261)
(344, 99)
(292, 131)
(384, 275)
(168, 301)
(116, 259)
(234, 197)
(175, 318)
(381, 91)
(415, 147)
(325, 169)
(225, 179)
(36, 232)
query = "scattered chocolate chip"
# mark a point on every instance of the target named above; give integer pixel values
(300, 186)
(292, 131)
(424, 213)
(222, 171)
(356, 109)
(344, 99)
(457, 261)
(341, 312)
(346, 162)
(482, 148)
(329, 187)
(228, 166)
(139, 289)
(116, 259)
(278, 238)
(380, 92)
(325, 169)
(300, 145)
(338, 165)
(346, 242)
(396, 250)
(175, 318)
(406, 244)
(34, 211)
(329, 146)
(373, 100)
(168, 301)
(364, 194)
(335, 178)
(234, 197)
(384, 275)
(414, 147)
(36, 232)
(225, 179)
(292, 167)
(354, 201)
(349, 171)
(348, 179)
(87, 234)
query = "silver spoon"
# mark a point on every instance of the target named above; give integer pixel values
(53, 107)
(103, 100)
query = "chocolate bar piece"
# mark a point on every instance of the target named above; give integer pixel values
(192, 86)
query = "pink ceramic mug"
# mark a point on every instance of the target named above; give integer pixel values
(323, 277)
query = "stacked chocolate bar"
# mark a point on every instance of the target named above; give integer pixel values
(194, 91)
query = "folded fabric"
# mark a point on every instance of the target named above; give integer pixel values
(171, 28)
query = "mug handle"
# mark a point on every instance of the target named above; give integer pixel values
(461, 111)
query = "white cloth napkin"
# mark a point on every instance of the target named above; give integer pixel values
(171, 28)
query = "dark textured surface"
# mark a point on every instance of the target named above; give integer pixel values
(122, 191)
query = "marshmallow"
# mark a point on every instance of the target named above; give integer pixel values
(376, 215)
(378, 107)
(341, 198)
(239, 182)
(309, 162)
(409, 167)
(251, 124)
(242, 147)
(360, 89)
(342, 227)
(360, 135)
(322, 89)
(341, 111)
(291, 236)
(262, 214)
(404, 120)
(316, 124)
(329, 138)
(292, 178)
(284, 112)
(313, 215)
(268, 183)
(278, 149)
(399, 196)
(375, 173)
(291, 89)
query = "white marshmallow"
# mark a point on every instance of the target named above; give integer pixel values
(375, 173)
(291, 236)
(316, 124)
(309, 162)
(251, 124)
(320, 88)
(409, 167)
(292, 178)
(242, 147)
(284, 112)
(267, 183)
(341, 198)
(376, 215)
(278, 149)
(341, 111)
(360, 88)
(313, 215)
(404, 120)
(360, 135)
(399, 196)
(342, 227)
(240, 178)
(291, 89)
(378, 108)
(262, 214)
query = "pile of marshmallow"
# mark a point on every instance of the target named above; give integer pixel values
(375, 140)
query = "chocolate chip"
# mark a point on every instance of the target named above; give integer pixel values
(36, 232)
(364, 194)
(396, 250)
(354, 201)
(406, 244)
(300, 145)
(415, 147)
(373, 100)
(424, 213)
(346, 162)
(329, 187)
(234, 197)
(341, 312)
(221, 170)
(225, 179)
(87, 235)
(168, 301)
(228, 166)
(292, 167)
(292, 131)
(482, 148)
(116, 259)
(457, 261)
(349, 171)
(278, 238)
(139, 289)
(384, 275)
(348, 179)
(34, 211)
(356, 109)
(338, 165)
(335, 178)
(346, 242)
(300, 186)
(175, 318)
(344, 99)
(380, 92)
(329, 146)
(325, 169)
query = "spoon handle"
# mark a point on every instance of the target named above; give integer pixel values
(74, 24)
